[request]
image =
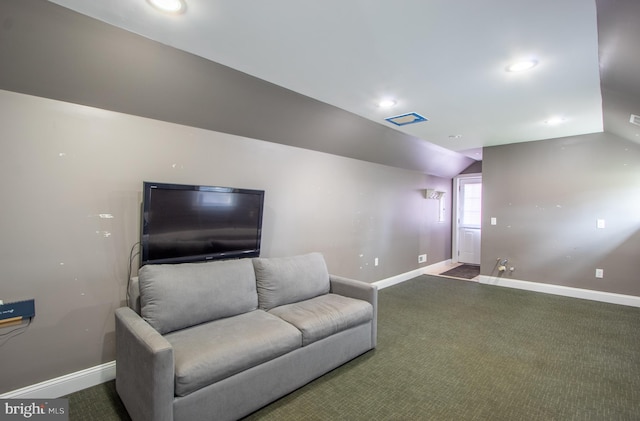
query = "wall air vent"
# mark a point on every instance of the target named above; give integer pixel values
(635, 119)
(404, 119)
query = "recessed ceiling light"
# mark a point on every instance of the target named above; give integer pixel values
(387, 103)
(455, 136)
(554, 121)
(169, 6)
(521, 66)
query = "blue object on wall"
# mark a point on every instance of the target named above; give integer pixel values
(408, 118)
(25, 309)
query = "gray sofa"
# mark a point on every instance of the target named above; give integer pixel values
(219, 340)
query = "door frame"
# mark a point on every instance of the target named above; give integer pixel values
(455, 223)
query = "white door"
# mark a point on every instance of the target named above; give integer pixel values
(469, 219)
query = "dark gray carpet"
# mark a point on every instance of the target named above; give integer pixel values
(457, 350)
(97, 403)
(463, 271)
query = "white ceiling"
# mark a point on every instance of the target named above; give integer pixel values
(443, 59)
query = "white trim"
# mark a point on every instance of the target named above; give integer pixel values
(64, 385)
(438, 267)
(394, 280)
(585, 294)
(455, 211)
(93, 376)
(431, 269)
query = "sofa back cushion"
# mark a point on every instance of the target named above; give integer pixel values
(288, 280)
(174, 297)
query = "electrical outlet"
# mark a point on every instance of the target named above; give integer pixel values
(599, 273)
(375, 261)
(422, 258)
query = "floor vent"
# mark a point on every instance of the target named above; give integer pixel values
(635, 119)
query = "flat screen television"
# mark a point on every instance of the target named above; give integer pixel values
(188, 223)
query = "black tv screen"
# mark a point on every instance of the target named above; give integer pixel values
(188, 223)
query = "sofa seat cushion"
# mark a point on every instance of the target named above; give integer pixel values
(213, 351)
(325, 315)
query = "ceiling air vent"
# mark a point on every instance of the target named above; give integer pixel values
(404, 119)
(635, 119)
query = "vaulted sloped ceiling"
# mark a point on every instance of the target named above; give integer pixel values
(50, 51)
(442, 59)
(310, 75)
(619, 43)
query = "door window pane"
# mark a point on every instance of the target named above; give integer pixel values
(472, 204)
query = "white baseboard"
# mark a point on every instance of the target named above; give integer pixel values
(73, 382)
(64, 385)
(439, 267)
(93, 376)
(384, 283)
(586, 294)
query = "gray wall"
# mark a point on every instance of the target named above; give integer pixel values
(475, 168)
(63, 165)
(547, 197)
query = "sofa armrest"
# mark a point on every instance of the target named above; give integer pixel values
(144, 368)
(362, 291)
